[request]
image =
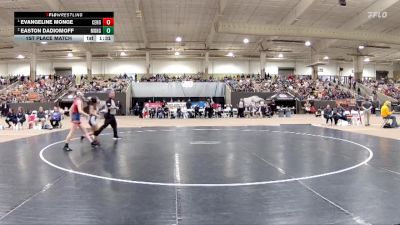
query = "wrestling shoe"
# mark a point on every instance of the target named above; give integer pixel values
(94, 144)
(67, 148)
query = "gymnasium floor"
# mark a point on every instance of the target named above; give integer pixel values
(188, 174)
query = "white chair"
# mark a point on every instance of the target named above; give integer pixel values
(356, 117)
(185, 113)
(235, 112)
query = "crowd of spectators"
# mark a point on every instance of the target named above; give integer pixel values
(36, 119)
(118, 84)
(49, 88)
(166, 78)
(303, 88)
(7, 80)
(44, 89)
(249, 108)
(385, 87)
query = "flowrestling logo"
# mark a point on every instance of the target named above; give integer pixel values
(377, 15)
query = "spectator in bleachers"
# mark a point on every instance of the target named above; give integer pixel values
(44, 89)
(118, 84)
(165, 78)
(385, 87)
(303, 88)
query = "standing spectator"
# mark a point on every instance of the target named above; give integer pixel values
(367, 107)
(197, 111)
(241, 108)
(328, 114)
(4, 108)
(119, 105)
(136, 109)
(189, 104)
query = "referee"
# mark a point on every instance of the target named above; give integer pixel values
(109, 116)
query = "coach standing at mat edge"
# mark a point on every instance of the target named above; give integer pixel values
(109, 116)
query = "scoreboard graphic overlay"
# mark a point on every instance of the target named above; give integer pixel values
(64, 26)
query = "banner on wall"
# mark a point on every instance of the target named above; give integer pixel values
(172, 105)
(178, 89)
(201, 104)
(153, 104)
(350, 102)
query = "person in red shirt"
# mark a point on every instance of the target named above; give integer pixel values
(76, 111)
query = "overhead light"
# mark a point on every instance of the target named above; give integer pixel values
(230, 54)
(123, 54)
(246, 41)
(361, 47)
(177, 53)
(20, 57)
(367, 60)
(326, 57)
(178, 39)
(280, 55)
(43, 42)
(308, 43)
(70, 54)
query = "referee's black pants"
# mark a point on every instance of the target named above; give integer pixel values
(108, 120)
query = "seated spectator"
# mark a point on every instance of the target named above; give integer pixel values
(315, 111)
(184, 112)
(21, 116)
(55, 118)
(40, 117)
(328, 114)
(160, 113)
(307, 107)
(11, 117)
(146, 112)
(338, 114)
(386, 113)
(31, 120)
